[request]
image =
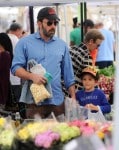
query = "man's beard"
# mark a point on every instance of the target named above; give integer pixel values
(49, 33)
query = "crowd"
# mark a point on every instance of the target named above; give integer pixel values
(65, 65)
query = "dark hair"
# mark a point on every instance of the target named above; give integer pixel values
(88, 23)
(75, 21)
(6, 43)
(15, 26)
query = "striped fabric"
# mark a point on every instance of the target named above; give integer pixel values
(80, 59)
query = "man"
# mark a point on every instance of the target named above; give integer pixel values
(53, 54)
(87, 25)
(75, 34)
(105, 55)
(80, 55)
(14, 33)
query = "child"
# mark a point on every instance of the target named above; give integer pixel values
(91, 97)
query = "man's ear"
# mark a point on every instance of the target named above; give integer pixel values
(39, 23)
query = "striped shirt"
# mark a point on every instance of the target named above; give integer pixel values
(81, 58)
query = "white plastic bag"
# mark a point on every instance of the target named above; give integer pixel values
(38, 69)
(73, 111)
(98, 116)
(70, 109)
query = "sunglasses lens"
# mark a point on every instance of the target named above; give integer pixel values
(49, 23)
(56, 23)
(98, 45)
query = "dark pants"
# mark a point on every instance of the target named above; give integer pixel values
(17, 91)
(103, 64)
(44, 111)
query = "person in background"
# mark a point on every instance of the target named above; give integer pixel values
(88, 24)
(75, 34)
(90, 97)
(15, 29)
(6, 55)
(105, 55)
(53, 54)
(80, 55)
(15, 33)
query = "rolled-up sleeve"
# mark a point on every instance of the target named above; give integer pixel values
(67, 69)
(19, 59)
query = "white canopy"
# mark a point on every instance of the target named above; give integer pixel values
(50, 2)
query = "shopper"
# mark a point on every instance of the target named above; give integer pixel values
(15, 29)
(15, 33)
(75, 34)
(80, 55)
(91, 97)
(53, 54)
(88, 24)
(105, 55)
(6, 55)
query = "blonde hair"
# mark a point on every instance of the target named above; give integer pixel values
(93, 34)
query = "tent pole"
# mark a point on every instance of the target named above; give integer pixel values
(31, 19)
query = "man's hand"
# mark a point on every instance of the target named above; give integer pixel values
(38, 79)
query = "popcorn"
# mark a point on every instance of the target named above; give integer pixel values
(39, 92)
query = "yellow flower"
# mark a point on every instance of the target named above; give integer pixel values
(100, 134)
(2, 122)
(23, 134)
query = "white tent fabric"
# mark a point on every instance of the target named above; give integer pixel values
(50, 2)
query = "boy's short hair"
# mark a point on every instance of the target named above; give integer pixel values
(93, 71)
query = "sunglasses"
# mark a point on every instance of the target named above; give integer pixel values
(98, 45)
(49, 23)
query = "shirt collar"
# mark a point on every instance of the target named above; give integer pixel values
(39, 37)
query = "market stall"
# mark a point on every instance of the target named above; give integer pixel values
(51, 135)
(12, 136)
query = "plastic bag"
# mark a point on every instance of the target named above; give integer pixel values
(38, 69)
(82, 113)
(85, 143)
(73, 111)
(98, 116)
(40, 92)
(70, 109)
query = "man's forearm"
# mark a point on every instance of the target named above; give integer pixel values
(23, 74)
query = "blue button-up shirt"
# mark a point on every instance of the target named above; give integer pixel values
(54, 57)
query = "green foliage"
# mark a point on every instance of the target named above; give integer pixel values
(108, 71)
